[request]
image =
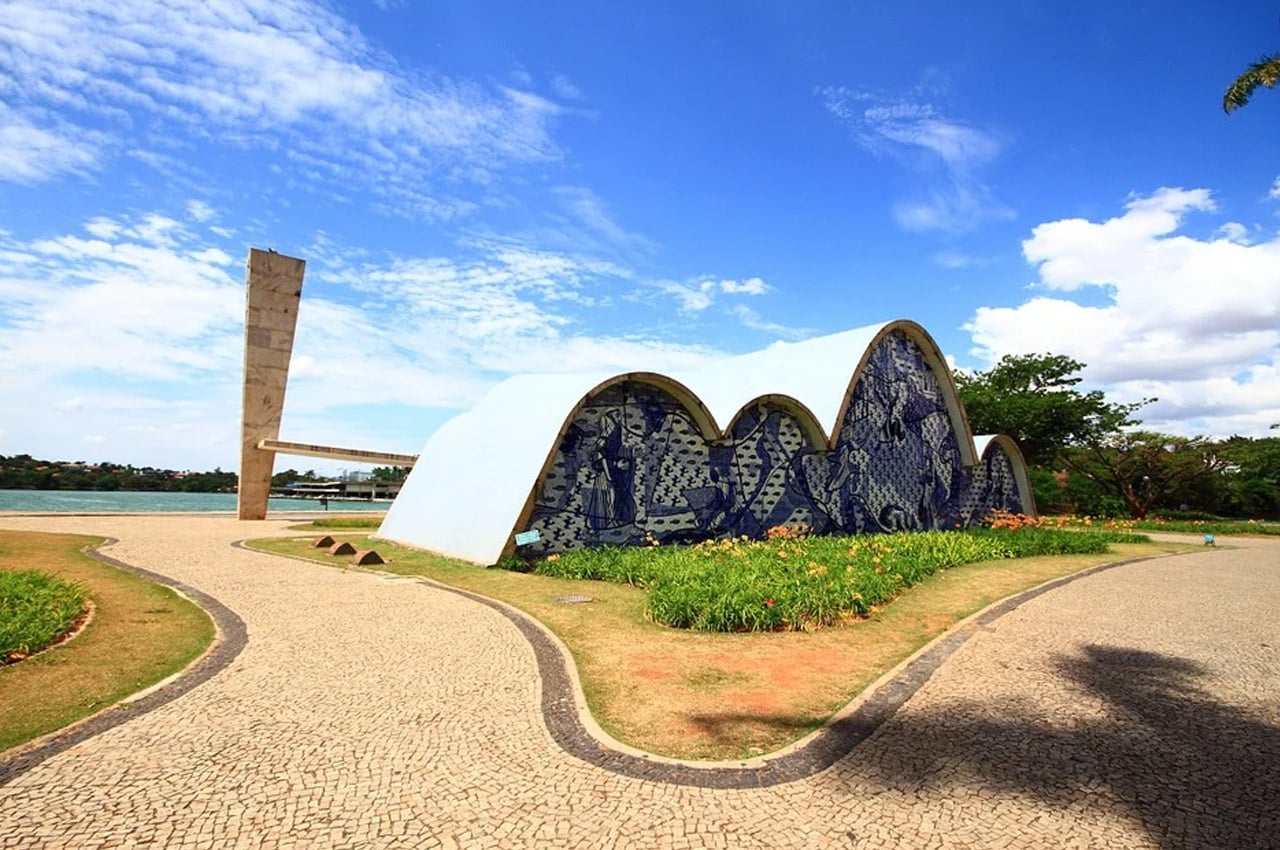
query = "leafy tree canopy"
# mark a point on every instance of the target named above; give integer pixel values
(1032, 398)
(1145, 468)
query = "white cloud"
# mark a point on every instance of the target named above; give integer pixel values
(947, 153)
(565, 88)
(590, 212)
(699, 294)
(953, 260)
(750, 286)
(751, 319)
(1274, 194)
(200, 211)
(30, 154)
(1194, 322)
(1234, 231)
(693, 297)
(131, 301)
(132, 329)
(279, 75)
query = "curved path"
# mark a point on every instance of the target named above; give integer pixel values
(1137, 707)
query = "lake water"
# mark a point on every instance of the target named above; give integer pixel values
(86, 501)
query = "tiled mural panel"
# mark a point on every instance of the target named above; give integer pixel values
(633, 466)
(993, 486)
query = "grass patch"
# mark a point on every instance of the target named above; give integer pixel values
(1216, 527)
(715, 695)
(35, 610)
(340, 522)
(792, 582)
(140, 633)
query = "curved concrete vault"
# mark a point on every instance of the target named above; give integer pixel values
(856, 432)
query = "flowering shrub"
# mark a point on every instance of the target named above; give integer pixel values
(1004, 519)
(1158, 523)
(788, 532)
(791, 580)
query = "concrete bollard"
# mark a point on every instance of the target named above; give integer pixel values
(343, 548)
(322, 542)
(365, 557)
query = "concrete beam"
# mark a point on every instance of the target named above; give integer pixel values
(274, 284)
(335, 453)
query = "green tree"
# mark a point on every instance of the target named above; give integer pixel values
(1145, 469)
(1251, 478)
(1032, 398)
(1264, 72)
(285, 478)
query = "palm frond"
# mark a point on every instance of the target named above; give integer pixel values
(1264, 72)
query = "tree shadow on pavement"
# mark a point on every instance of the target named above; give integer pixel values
(1196, 772)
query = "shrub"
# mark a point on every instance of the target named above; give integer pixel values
(1218, 527)
(348, 522)
(35, 610)
(792, 581)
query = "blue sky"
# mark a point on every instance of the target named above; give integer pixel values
(481, 189)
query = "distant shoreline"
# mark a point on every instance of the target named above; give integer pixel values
(148, 502)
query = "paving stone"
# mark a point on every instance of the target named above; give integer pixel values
(1136, 708)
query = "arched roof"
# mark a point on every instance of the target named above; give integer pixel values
(990, 442)
(803, 416)
(475, 477)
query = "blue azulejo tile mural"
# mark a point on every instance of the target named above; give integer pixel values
(634, 466)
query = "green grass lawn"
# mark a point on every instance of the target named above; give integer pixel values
(140, 633)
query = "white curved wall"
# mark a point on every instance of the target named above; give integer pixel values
(475, 474)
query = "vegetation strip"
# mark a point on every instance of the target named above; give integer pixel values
(1216, 527)
(231, 639)
(794, 582)
(37, 610)
(823, 748)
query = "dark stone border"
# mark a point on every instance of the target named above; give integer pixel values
(232, 637)
(822, 749)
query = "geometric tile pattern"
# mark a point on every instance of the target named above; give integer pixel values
(634, 466)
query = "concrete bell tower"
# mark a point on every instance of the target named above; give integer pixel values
(271, 316)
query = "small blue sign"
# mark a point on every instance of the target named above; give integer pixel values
(524, 538)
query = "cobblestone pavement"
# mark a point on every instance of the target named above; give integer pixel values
(1137, 707)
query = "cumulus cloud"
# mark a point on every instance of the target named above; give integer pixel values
(1194, 322)
(947, 154)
